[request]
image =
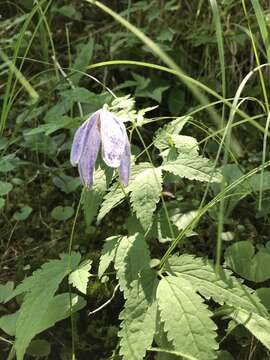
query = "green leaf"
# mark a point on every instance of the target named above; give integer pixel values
(264, 295)
(185, 144)
(6, 290)
(82, 61)
(23, 213)
(39, 290)
(241, 258)
(108, 253)
(145, 194)
(5, 188)
(39, 348)
(113, 198)
(186, 318)
(58, 309)
(62, 213)
(256, 324)
(51, 127)
(70, 12)
(93, 198)
(193, 168)
(162, 136)
(139, 317)
(79, 277)
(116, 195)
(131, 257)
(221, 287)
(8, 323)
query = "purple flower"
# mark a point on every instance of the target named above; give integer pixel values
(106, 129)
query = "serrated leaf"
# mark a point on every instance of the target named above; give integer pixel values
(162, 136)
(221, 287)
(40, 289)
(145, 194)
(116, 195)
(108, 253)
(131, 257)
(256, 324)
(58, 309)
(113, 198)
(79, 277)
(185, 144)
(139, 317)
(189, 325)
(193, 168)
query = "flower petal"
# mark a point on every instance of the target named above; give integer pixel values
(113, 137)
(124, 169)
(79, 139)
(89, 155)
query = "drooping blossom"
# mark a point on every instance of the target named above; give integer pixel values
(101, 129)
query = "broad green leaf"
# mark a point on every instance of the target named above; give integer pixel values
(222, 286)
(193, 168)
(108, 253)
(132, 256)
(58, 309)
(256, 324)
(139, 317)
(62, 213)
(6, 290)
(145, 194)
(79, 277)
(39, 290)
(78, 95)
(186, 318)
(23, 213)
(5, 188)
(241, 258)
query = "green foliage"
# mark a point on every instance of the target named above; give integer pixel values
(188, 326)
(193, 168)
(241, 258)
(221, 286)
(62, 213)
(39, 291)
(58, 67)
(145, 194)
(79, 277)
(139, 317)
(131, 257)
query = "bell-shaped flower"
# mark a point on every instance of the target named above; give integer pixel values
(106, 130)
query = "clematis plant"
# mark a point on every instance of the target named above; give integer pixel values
(101, 129)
